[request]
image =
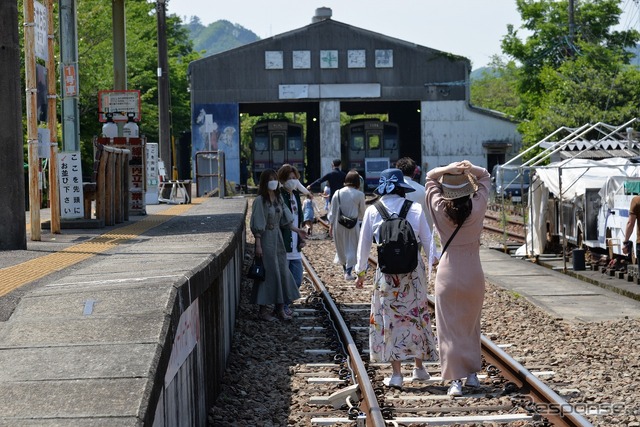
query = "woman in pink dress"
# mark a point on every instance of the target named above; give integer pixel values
(457, 195)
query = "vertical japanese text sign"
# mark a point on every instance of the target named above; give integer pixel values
(70, 185)
(41, 30)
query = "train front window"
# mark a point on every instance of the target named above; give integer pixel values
(294, 144)
(357, 142)
(277, 141)
(390, 138)
(261, 143)
(374, 142)
(294, 141)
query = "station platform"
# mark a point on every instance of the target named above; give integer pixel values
(574, 296)
(89, 318)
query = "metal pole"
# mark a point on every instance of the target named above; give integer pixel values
(52, 124)
(564, 232)
(32, 116)
(70, 116)
(164, 128)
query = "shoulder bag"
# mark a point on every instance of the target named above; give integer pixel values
(344, 220)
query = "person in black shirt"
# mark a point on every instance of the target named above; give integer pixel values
(335, 178)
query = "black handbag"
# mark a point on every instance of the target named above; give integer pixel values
(344, 220)
(256, 271)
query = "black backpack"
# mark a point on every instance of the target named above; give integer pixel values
(397, 245)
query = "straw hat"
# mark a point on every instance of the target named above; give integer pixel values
(459, 185)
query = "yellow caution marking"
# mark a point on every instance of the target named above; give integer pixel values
(18, 275)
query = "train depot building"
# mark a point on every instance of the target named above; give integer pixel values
(327, 68)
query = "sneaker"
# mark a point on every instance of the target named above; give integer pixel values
(455, 389)
(396, 381)
(349, 277)
(420, 374)
(472, 380)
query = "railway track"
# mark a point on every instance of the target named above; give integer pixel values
(511, 228)
(509, 395)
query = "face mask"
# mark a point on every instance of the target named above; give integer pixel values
(273, 185)
(291, 184)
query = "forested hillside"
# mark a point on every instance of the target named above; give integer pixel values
(218, 36)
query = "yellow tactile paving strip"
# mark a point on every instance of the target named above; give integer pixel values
(18, 275)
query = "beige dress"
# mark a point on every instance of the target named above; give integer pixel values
(459, 285)
(350, 201)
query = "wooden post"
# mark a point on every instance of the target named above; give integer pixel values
(117, 199)
(100, 184)
(109, 187)
(32, 116)
(52, 124)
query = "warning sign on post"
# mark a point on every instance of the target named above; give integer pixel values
(70, 185)
(119, 103)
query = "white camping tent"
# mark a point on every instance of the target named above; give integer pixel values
(565, 181)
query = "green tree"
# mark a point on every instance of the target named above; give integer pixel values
(496, 88)
(571, 78)
(96, 66)
(578, 93)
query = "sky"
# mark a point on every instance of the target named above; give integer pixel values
(470, 28)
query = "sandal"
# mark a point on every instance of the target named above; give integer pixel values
(282, 316)
(267, 317)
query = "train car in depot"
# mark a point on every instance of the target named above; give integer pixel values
(274, 143)
(370, 146)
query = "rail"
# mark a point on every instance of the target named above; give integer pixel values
(369, 403)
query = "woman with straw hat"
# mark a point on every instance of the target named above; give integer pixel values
(457, 197)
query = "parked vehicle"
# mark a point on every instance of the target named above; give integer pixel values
(585, 204)
(510, 183)
(370, 146)
(274, 143)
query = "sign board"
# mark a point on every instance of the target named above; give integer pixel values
(373, 167)
(44, 143)
(119, 102)
(41, 27)
(186, 337)
(70, 80)
(70, 185)
(151, 195)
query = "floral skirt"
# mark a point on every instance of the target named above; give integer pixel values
(400, 323)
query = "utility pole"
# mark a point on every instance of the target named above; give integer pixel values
(52, 124)
(571, 28)
(32, 115)
(13, 234)
(164, 125)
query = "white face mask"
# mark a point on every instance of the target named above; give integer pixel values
(291, 184)
(273, 185)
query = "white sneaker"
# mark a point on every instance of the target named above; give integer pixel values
(349, 277)
(472, 380)
(396, 381)
(455, 389)
(420, 374)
